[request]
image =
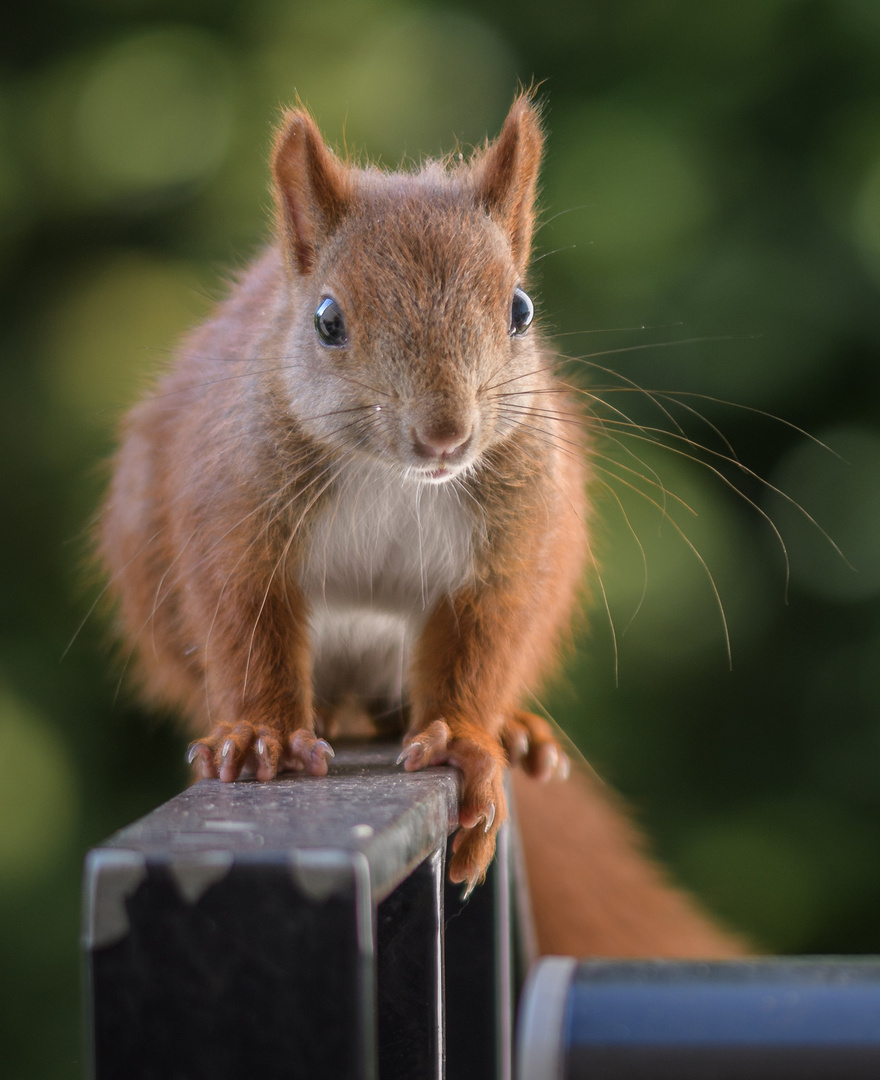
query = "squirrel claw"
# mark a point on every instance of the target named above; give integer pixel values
(267, 751)
(306, 753)
(429, 747)
(199, 755)
(410, 757)
(469, 887)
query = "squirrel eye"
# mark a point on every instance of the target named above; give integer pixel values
(330, 323)
(522, 311)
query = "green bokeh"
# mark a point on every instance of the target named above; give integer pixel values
(711, 228)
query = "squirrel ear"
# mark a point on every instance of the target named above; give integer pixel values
(312, 188)
(506, 176)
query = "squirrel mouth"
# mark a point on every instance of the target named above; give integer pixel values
(438, 475)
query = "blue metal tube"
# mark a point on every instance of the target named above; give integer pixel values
(805, 1018)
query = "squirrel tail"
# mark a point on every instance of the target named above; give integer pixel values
(592, 888)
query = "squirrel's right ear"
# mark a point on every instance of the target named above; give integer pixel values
(312, 188)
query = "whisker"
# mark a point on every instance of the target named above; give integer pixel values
(677, 343)
(626, 381)
(573, 751)
(160, 599)
(642, 552)
(675, 394)
(219, 381)
(553, 251)
(281, 364)
(736, 463)
(616, 330)
(561, 443)
(290, 482)
(709, 575)
(551, 438)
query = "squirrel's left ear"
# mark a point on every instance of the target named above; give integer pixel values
(506, 176)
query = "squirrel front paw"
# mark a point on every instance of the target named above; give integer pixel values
(482, 805)
(232, 751)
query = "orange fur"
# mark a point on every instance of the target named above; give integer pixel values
(288, 500)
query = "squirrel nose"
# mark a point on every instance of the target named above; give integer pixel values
(440, 441)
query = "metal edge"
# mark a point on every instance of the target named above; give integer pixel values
(111, 876)
(542, 1007)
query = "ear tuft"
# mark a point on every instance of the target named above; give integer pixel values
(506, 175)
(312, 188)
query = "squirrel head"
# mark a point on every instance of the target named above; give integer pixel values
(409, 293)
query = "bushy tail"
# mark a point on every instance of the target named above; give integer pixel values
(593, 889)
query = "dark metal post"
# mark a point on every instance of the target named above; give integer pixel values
(250, 929)
(410, 1006)
(478, 974)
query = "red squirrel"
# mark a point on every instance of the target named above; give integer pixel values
(359, 496)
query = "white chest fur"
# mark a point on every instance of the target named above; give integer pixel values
(382, 552)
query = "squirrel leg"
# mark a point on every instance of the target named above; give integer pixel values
(483, 804)
(464, 680)
(259, 682)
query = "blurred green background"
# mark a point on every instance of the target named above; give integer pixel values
(712, 227)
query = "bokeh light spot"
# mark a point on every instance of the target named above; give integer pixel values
(38, 798)
(155, 110)
(114, 328)
(393, 98)
(397, 82)
(635, 190)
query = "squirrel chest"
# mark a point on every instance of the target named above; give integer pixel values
(381, 552)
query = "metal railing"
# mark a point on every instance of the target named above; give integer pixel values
(301, 928)
(304, 928)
